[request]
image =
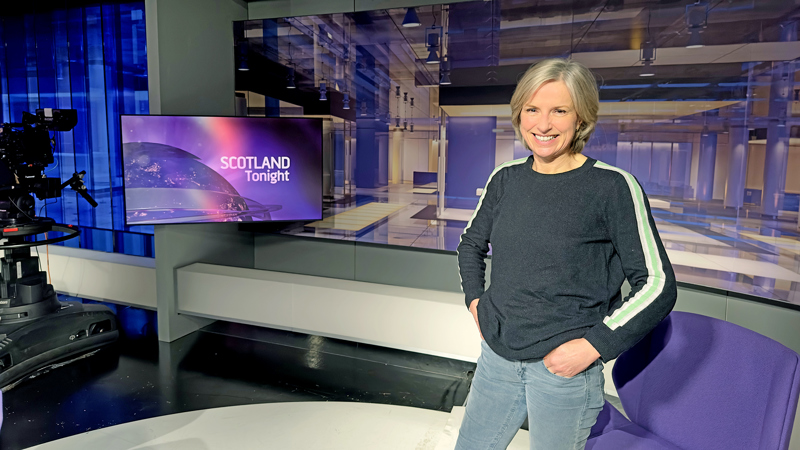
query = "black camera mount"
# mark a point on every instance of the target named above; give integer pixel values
(36, 330)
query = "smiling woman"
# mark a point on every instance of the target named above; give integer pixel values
(554, 313)
(554, 112)
(548, 123)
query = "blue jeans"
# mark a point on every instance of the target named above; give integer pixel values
(561, 411)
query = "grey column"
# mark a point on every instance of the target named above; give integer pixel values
(181, 34)
(705, 167)
(777, 154)
(777, 157)
(737, 167)
(740, 147)
(681, 170)
(660, 167)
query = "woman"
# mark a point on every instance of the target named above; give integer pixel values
(565, 230)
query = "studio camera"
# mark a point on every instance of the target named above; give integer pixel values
(36, 330)
(26, 148)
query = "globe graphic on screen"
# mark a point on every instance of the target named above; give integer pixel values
(165, 184)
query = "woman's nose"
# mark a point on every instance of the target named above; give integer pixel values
(543, 124)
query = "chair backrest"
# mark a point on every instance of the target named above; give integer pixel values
(703, 383)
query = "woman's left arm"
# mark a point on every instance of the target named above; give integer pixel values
(645, 264)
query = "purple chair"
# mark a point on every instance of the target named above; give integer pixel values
(699, 383)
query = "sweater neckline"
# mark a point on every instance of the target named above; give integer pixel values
(589, 163)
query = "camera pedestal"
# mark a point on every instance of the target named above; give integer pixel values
(36, 330)
(72, 330)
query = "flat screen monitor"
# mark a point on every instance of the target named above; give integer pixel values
(190, 169)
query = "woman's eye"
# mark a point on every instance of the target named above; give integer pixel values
(561, 111)
(530, 110)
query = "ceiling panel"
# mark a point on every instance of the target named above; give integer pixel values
(662, 110)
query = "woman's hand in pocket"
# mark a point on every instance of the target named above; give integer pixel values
(473, 308)
(571, 358)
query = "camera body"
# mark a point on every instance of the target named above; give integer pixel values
(26, 148)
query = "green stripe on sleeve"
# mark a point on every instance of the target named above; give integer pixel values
(656, 277)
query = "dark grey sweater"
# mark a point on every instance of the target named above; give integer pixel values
(562, 245)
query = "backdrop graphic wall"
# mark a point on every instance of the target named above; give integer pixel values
(92, 59)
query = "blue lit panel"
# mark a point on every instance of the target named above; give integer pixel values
(92, 59)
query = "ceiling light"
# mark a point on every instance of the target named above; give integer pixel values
(695, 40)
(432, 42)
(323, 89)
(290, 79)
(433, 57)
(647, 69)
(696, 19)
(647, 54)
(411, 19)
(243, 54)
(445, 68)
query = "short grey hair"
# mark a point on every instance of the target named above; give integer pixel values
(581, 85)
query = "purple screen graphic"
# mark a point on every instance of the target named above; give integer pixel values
(181, 169)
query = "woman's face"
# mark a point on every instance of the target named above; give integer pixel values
(548, 121)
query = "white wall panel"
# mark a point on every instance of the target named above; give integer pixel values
(110, 277)
(419, 320)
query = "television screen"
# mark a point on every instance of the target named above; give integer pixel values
(186, 169)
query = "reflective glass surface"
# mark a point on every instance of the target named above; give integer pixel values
(697, 101)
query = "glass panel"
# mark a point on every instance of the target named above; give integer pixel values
(706, 121)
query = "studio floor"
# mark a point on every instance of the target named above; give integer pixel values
(285, 379)
(233, 386)
(708, 245)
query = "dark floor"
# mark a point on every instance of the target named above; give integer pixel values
(222, 365)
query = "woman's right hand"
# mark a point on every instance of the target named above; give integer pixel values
(473, 308)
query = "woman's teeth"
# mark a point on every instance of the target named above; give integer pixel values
(545, 138)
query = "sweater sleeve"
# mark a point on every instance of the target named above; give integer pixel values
(474, 245)
(644, 261)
